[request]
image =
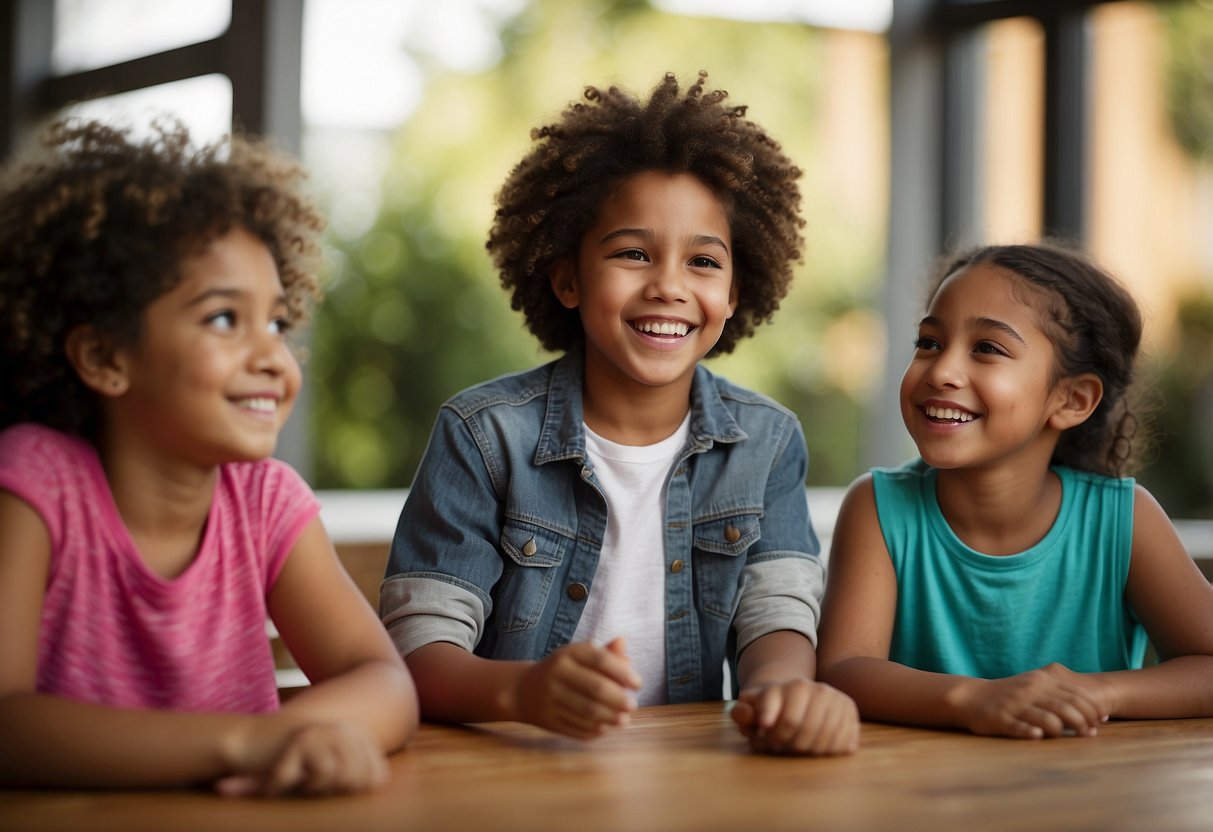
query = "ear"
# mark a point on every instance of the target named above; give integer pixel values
(733, 295)
(564, 282)
(96, 361)
(1079, 396)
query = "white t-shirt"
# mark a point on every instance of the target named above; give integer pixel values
(628, 595)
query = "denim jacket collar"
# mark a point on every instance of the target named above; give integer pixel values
(562, 436)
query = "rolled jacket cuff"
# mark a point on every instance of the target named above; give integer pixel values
(420, 608)
(780, 594)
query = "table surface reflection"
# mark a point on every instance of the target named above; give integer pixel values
(684, 767)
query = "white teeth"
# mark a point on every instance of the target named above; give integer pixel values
(662, 328)
(264, 405)
(950, 414)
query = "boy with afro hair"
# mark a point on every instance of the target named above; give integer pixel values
(606, 531)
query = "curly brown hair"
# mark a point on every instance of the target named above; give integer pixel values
(553, 196)
(94, 226)
(1096, 327)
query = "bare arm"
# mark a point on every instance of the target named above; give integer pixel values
(50, 740)
(857, 624)
(361, 704)
(339, 643)
(1174, 603)
(781, 656)
(580, 690)
(457, 686)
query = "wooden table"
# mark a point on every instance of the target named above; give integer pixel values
(683, 767)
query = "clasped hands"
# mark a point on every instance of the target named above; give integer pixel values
(584, 691)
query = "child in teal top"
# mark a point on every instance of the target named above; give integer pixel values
(1006, 581)
(960, 611)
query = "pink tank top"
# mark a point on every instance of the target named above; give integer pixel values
(115, 633)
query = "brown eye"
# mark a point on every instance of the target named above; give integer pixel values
(986, 348)
(224, 319)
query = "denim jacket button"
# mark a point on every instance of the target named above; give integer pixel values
(530, 548)
(577, 591)
(732, 534)
(676, 567)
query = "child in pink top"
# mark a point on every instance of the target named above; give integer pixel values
(146, 293)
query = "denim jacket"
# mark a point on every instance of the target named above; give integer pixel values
(498, 542)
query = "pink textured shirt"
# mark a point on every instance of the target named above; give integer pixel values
(115, 633)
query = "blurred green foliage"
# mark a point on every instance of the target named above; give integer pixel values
(1180, 474)
(414, 311)
(1190, 74)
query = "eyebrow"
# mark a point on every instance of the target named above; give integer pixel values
(696, 241)
(709, 240)
(981, 323)
(228, 293)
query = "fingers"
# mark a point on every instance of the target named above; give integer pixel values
(581, 690)
(763, 706)
(238, 785)
(1058, 717)
(1063, 707)
(616, 664)
(317, 760)
(1051, 702)
(800, 717)
(599, 677)
(743, 714)
(1019, 729)
(585, 712)
(286, 774)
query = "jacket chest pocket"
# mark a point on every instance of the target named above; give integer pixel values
(530, 557)
(720, 546)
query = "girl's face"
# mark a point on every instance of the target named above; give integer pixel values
(980, 388)
(211, 378)
(653, 282)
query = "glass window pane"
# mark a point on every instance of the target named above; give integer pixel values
(89, 34)
(203, 104)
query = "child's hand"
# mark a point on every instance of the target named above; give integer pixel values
(798, 717)
(314, 760)
(1048, 702)
(580, 690)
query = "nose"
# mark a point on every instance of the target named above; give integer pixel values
(270, 353)
(668, 281)
(945, 370)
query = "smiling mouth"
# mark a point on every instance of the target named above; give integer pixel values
(261, 404)
(675, 329)
(948, 414)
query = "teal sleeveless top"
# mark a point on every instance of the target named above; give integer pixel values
(1063, 600)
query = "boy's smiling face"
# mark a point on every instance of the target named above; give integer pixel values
(653, 283)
